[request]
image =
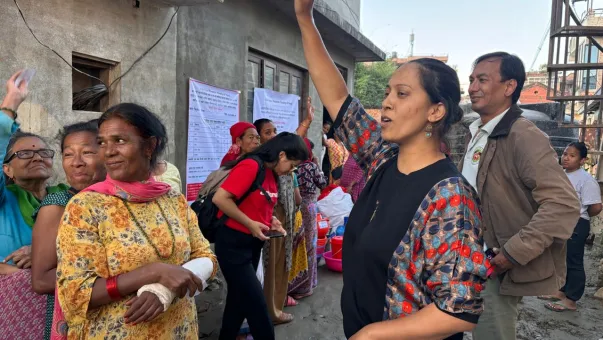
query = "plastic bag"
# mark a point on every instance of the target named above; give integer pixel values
(336, 206)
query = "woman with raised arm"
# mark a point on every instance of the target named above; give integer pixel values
(413, 258)
(27, 168)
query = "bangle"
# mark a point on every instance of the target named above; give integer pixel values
(306, 126)
(9, 110)
(112, 288)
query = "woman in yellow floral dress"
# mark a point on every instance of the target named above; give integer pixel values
(130, 253)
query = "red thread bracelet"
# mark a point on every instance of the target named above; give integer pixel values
(112, 288)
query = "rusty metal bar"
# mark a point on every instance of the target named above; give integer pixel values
(587, 85)
(599, 121)
(575, 97)
(567, 16)
(592, 31)
(580, 66)
(579, 126)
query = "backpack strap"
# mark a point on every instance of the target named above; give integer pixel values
(259, 179)
(256, 185)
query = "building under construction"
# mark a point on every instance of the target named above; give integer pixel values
(575, 71)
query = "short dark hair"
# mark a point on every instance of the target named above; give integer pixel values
(442, 85)
(511, 67)
(581, 147)
(291, 144)
(259, 124)
(89, 126)
(146, 122)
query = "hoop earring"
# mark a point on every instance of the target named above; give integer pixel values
(428, 131)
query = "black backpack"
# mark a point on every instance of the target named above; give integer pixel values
(207, 211)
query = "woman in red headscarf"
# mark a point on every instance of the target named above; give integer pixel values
(245, 139)
(310, 179)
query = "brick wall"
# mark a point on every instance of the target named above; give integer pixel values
(535, 93)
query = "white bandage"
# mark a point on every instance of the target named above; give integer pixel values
(202, 268)
(162, 292)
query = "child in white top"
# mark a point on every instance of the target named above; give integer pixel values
(589, 195)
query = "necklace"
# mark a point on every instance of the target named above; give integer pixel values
(146, 236)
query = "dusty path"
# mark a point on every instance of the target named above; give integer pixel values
(319, 316)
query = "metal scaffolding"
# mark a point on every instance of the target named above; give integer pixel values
(575, 67)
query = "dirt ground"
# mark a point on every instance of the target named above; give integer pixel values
(319, 316)
(537, 322)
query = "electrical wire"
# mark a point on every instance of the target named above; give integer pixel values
(86, 74)
(354, 16)
(148, 50)
(50, 48)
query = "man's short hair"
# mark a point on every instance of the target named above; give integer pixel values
(511, 67)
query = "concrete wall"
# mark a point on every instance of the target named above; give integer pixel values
(206, 42)
(213, 45)
(109, 29)
(349, 10)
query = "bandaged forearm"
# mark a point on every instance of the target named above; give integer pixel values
(162, 292)
(202, 268)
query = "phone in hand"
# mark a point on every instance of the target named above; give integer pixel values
(274, 234)
(490, 254)
(25, 76)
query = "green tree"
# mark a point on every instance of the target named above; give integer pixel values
(370, 82)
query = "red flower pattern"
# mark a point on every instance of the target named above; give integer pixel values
(477, 257)
(443, 248)
(441, 204)
(456, 245)
(455, 200)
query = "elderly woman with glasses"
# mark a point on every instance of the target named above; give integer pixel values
(27, 166)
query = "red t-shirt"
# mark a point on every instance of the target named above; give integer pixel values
(255, 206)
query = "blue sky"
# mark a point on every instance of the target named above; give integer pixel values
(463, 29)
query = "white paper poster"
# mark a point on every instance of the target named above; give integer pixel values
(281, 108)
(211, 113)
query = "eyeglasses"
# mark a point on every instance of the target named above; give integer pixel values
(253, 137)
(29, 154)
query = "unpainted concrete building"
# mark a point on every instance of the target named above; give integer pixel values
(235, 44)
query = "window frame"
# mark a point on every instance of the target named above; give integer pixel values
(265, 61)
(109, 70)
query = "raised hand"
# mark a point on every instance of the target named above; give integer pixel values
(310, 109)
(14, 95)
(304, 7)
